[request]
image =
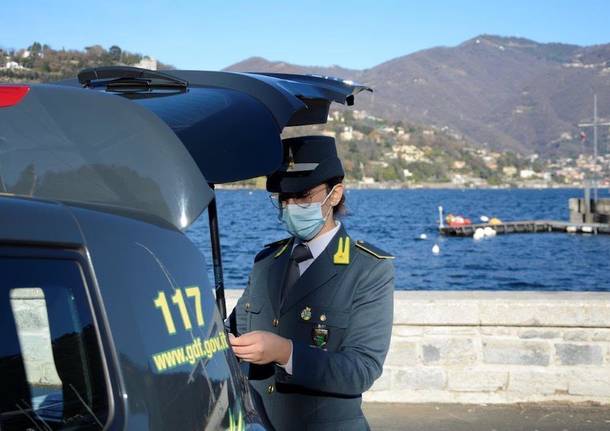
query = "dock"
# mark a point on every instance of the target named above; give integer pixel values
(529, 226)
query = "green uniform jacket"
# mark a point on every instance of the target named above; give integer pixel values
(339, 318)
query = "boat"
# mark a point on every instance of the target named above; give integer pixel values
(457, 220)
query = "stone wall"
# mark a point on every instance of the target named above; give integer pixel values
(495, 347)
(471, 347)
(30, 312)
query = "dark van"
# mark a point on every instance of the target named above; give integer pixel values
(107, 317)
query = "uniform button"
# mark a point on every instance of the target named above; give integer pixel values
(247, 305)
(270, 389)
(276, 322)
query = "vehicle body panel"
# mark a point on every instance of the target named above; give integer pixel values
(129, 260)
(28, 220)
(133, 262)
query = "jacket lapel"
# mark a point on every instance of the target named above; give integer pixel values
(275, 276)
(322, 270)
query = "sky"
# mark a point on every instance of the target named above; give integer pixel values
(358, 34)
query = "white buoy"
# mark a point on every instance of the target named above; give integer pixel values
(489, 232)
(479, 234)
(436, 249)
(484, 219)
(587, 229)
(423, 236)
(250, 192)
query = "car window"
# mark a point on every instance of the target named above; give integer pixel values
(50, 363)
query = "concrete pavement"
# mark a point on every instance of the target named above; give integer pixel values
(470, 417)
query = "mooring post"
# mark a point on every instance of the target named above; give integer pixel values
(587, 217)
(440, 217)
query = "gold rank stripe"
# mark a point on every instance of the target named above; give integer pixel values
(360, 244)
(281, 250)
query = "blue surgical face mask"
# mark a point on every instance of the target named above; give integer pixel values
(305, 222)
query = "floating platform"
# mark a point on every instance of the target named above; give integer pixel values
(529, 226)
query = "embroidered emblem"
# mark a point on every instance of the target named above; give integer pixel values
(341, 257)
(306, 313)
(319, 336)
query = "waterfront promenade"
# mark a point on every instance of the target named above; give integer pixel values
(495, 347)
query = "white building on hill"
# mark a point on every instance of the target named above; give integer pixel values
(147, 63)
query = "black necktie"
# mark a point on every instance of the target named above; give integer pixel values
(300, 253)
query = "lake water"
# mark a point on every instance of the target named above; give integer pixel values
(394, 219)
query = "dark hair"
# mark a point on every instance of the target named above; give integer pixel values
(339, 209)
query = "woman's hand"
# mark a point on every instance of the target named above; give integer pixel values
(261, 347)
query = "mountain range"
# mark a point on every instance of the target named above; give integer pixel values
(504, 93)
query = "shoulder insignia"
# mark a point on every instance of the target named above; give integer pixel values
(281, 250)
(277, 243)
(280, 246)
(341, 257)
(371, 249)
(277, 247)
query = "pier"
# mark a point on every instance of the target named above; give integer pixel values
(529, 226)
(587, 216)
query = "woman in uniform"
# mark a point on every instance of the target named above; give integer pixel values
(316, 318)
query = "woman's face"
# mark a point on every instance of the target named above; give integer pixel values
(319, 193)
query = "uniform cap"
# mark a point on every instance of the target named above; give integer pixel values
(308, 162)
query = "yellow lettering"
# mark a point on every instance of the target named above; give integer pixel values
(161, 303)
(195, 293)
(178, 299)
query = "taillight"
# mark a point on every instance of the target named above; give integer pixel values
(10, 95)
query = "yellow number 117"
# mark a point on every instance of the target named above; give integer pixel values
(178, 300)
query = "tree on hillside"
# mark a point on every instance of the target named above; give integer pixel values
(35, 48)
(115, 53)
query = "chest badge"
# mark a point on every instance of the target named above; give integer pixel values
(319, 335)
(306, 313)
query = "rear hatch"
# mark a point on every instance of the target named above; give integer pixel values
(67, 144)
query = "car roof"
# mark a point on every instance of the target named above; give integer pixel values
(27, 220)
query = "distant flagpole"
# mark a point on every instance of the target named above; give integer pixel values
(583, 137)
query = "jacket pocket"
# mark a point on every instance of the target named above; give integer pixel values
(329, 317)
(325, 328)
(251, 308)
(334, 318)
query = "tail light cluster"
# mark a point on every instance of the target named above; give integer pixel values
(10, 95)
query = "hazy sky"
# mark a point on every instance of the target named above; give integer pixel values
(356, 34)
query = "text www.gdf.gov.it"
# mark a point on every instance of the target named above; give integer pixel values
(190, 353)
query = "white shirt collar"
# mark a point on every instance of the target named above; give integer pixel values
(317, 246)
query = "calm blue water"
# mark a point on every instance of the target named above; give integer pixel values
(394, 219)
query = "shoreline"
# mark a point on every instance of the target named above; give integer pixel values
(443, 186)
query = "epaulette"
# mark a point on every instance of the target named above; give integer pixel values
(371, 249)
(280, 242)
(277, 247)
